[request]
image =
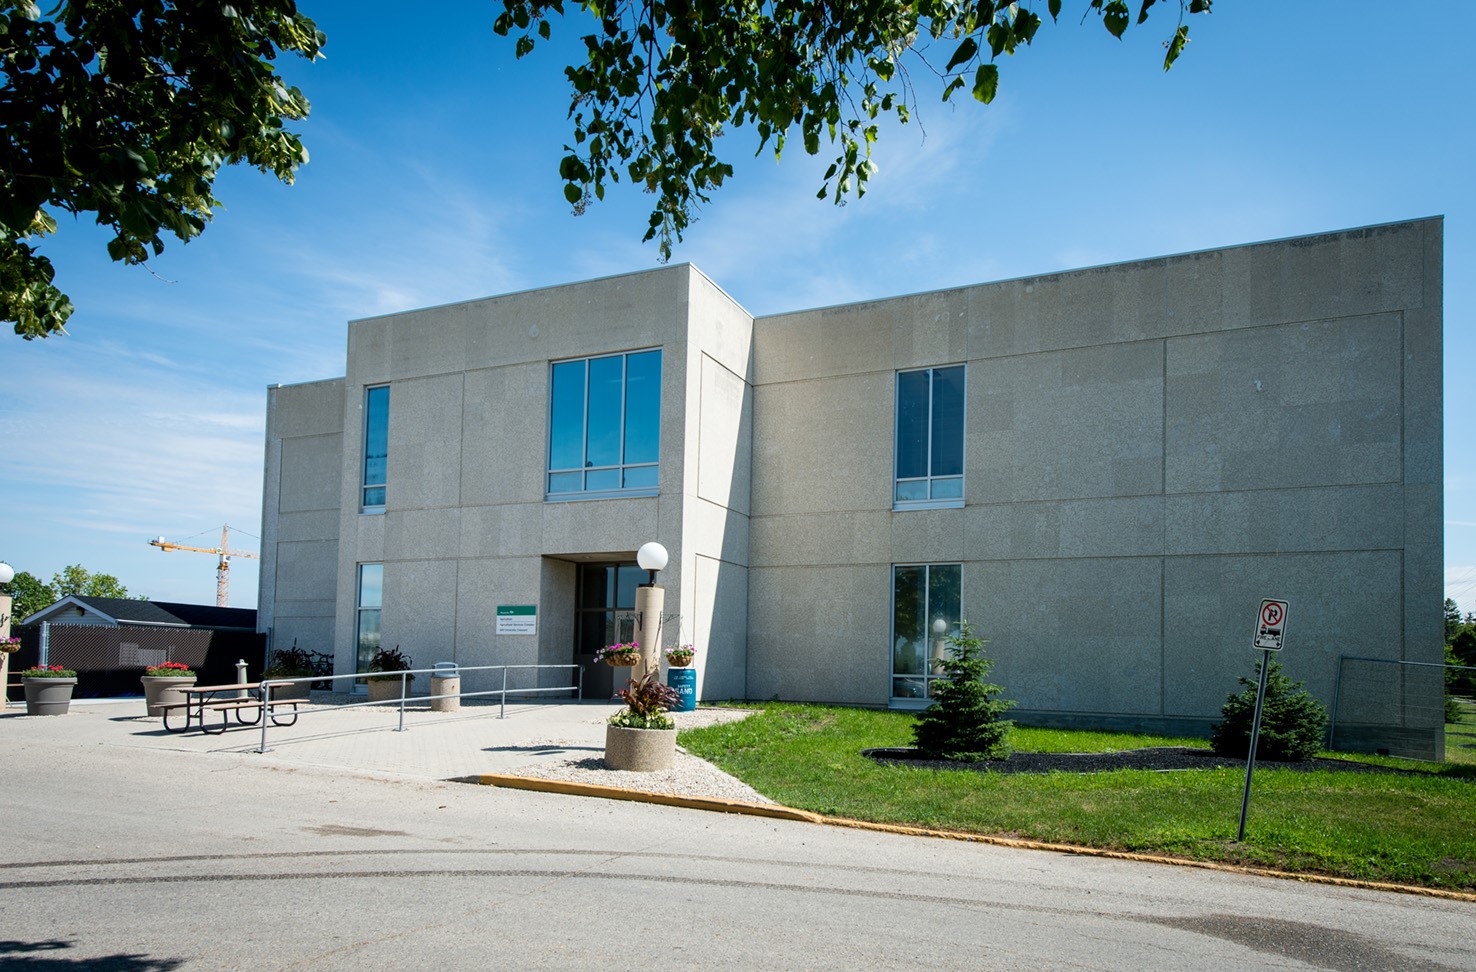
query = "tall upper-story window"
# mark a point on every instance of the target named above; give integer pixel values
(376, 448)
(604, 425)
(930, 438)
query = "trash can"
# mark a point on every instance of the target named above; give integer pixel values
(446, 680)
(684, 680)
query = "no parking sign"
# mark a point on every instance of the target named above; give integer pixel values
(1270, 625)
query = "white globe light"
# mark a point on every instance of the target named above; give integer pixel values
(652, 556)
(7, 573)
(940, 627)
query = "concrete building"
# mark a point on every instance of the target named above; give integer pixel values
(1103, 470)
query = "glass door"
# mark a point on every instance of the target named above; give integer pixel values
(605, 615)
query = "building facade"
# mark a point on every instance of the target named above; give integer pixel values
(1104, 471)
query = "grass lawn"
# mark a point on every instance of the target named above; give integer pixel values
(1460, 737)
(1411, 828)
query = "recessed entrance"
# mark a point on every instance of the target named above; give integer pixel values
(604, 615)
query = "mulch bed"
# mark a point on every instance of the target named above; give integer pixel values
(1154, 758)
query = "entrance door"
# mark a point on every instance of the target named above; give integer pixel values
(605, 616)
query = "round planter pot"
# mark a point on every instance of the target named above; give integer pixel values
(679, 663)
(627, 660)
(162, 690)
(449, 686)
(640, 750)
(48, 696)
(383, 690)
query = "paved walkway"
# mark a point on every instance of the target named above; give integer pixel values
(434, 745)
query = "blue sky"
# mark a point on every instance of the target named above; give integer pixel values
(434, 179)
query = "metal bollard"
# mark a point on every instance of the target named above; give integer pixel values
(241, 678)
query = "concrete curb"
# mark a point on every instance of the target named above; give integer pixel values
(789, 813)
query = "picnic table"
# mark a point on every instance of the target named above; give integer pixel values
(244, 697)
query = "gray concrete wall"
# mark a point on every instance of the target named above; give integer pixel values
(300, 514)
(466, 526)
(1150, 449)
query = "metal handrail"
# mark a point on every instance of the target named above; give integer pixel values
(266, 684)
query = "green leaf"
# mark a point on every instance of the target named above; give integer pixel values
(986, 82)
(1055, 8)
(1176, 46)
(1143, 12)
(965, 51)
(1115, 17)
(572, 192)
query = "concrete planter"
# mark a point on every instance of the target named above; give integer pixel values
(385, 689)
(48, 696)
(447, 685)
(640, 750)
(162, 690)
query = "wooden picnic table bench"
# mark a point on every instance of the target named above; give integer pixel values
(200, 699)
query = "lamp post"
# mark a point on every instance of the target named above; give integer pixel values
(940, 644)
(650, 599)
(7, 574)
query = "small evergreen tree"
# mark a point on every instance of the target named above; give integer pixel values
(1293, 723)
(965, 720)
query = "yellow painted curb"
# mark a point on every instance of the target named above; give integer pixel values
(789, 813)
(644, 796)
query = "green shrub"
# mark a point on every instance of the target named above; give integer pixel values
(965, 720)
(1293, 723)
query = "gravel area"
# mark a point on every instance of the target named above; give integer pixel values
(688, 776)
(1155, 758)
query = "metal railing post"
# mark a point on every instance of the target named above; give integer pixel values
(502, 712)
(579, 674)
(262, 688)
(402, 703)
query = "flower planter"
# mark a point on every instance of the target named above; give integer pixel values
(626, 660)
(48, 696)
(679, 662)
(385, 689)
(640, 750)
(162, 690)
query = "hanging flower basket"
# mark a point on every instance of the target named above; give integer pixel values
(619, 655)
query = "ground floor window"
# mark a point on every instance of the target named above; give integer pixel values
(370, 602)
(926, 602)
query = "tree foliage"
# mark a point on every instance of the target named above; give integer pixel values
(1293, 723)
(28, 595)
(127, 109)
(663, 80)
(966, 720)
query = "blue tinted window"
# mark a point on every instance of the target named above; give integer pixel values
(927, 601)
(376, 445)
(605, 424)
(930, 437)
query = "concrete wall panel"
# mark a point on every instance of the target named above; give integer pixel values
(1131, 526)
(724, 424)
(720, 631)
(1072, 635)
(862, 537)
(420, 611)
(1282, 520)
(511, 530)
(1339, 603)
(1066, 425)
(505, 435)
(425, 443)
(422, 534)
(819, 633)
(312, 466)
(824, 446)
(307, 571)
(1313, 403)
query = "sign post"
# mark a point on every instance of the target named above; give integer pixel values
(1270, 635)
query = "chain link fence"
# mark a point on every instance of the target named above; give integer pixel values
(109, 661)
(1394, 708)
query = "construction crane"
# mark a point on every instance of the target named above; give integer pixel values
(222, 569)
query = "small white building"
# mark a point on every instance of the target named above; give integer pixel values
(1103, 470)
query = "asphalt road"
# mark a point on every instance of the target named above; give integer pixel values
(149, 859)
